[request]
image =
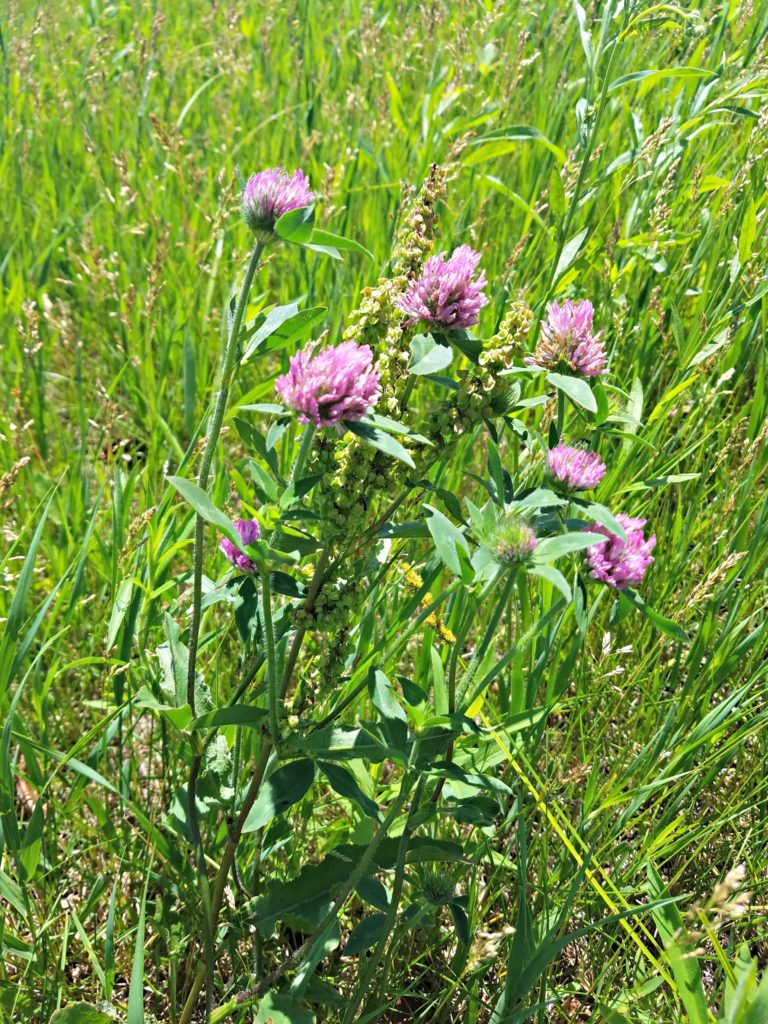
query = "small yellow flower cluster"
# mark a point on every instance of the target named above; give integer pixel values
(414, 583)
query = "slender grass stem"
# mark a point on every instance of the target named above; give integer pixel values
(269, 642)
(222, 397)
(366, 976)
(571, 211)
(464, 686)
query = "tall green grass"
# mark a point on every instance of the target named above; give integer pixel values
(123, 127)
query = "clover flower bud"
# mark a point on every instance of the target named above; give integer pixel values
(249, 531)
(513, 540)
(438, 888)
(271, 193)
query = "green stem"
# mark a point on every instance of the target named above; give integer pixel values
(248, 996)
(409, 386)
(303, 454)
(298, 638)
(560, 421)
(222, 397)
(223, 873)
(493, 622)
(269, 641)
(397, 891)
(453, 663)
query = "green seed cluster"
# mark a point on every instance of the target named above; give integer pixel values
(328, 665)
(351, 472)
(334, 607)
(352, 475)
(482, 392)
(415, 238)
(507, 343)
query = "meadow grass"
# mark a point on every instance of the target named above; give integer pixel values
(123, 128)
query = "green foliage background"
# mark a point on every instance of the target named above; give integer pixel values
(122, 128)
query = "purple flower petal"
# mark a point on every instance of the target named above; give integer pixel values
(621, 563)
(575, 468)
(249, 531)
(271, 193)
(336, 384)
(567, 337)
(447, 293)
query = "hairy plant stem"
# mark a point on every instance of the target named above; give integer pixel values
(224, 868)
(222, 397)
(269, 643)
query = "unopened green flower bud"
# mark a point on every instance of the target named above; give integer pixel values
(513, 540)
(438, 888)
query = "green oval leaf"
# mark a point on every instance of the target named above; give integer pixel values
(570, 252)
(565, 544)
(202, 504)
(365, 934)
(278, 1009)
(283, 788)
(297, 225)
(326, 238)
(429, 356)
(343, 782)
(80, 1013)
(282, 326)
(575, 388)
(448, 539)
(379, 439)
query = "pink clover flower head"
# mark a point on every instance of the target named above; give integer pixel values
(448, 294)
(513, 541)
(567, 337)
(621, 563)
(337, 384)
(575, 469)
(271, 193)
(249, 531)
